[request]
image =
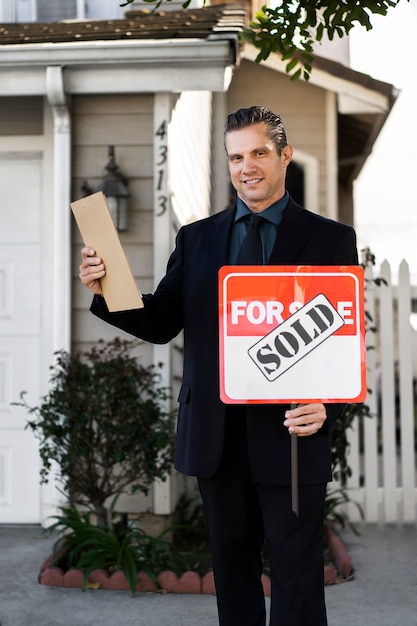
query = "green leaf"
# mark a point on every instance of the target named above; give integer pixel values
(291, 65)
(296, 75)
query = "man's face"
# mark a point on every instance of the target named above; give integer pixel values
(256, 170)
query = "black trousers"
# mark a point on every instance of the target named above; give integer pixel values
(241, 515)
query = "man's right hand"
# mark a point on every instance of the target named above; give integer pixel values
(92, 269)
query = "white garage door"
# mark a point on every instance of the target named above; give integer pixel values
(20, 334)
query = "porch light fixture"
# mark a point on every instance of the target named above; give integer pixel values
(114, 187)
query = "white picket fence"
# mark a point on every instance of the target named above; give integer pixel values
(382, 452)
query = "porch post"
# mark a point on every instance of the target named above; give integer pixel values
(162, 246)
(61, 244)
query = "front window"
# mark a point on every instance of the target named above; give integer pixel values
(56, 10)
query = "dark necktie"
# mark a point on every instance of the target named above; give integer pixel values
(250, 252)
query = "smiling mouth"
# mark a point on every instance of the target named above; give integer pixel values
(252, 181)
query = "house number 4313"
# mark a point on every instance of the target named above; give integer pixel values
(161, 163)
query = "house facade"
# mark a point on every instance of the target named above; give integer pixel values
(158, 88)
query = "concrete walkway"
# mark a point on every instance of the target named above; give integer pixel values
(383, 592)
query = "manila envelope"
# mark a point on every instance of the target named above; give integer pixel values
(98, 231)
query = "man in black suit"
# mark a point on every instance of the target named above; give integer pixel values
(241, 455)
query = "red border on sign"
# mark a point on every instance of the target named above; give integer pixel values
(252, 304)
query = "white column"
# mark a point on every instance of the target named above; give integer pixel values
(162, 247)
(60, 246)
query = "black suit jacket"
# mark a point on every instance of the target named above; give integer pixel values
(187, 299)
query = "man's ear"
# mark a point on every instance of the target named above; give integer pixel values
(286, 154)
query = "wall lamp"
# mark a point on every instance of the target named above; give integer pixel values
(114, 187)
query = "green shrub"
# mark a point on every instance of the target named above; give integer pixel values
(105, 425)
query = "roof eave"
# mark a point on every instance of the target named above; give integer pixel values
(166, 64)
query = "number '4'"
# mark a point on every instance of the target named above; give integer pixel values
(162, 130)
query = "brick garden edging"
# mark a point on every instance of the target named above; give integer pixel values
(339, 553)
(189, 582)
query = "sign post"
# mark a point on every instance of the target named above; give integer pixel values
(292, 334)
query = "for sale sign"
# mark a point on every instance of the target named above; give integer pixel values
(292, 334)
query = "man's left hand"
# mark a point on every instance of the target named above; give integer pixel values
(305, 419)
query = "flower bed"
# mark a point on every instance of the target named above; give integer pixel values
(189, 582)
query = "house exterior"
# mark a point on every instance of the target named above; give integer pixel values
(157, 87)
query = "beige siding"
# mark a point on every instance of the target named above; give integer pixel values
(302, 107)
(126, 123)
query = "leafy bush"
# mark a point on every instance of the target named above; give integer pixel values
(105, 425)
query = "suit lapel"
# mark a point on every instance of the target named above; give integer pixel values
(218, 238)
(293, 232)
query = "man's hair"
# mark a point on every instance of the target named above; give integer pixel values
(258, 115)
